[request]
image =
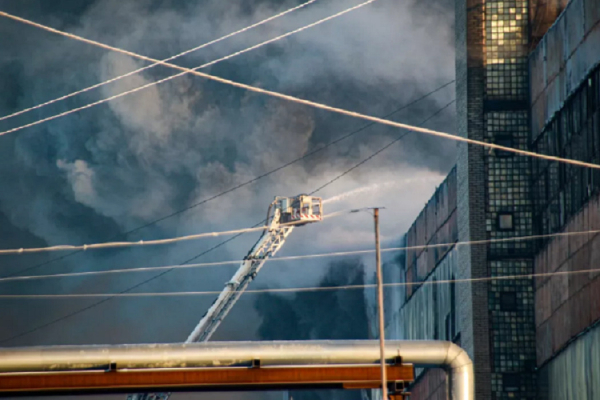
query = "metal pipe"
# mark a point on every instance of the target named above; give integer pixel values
(423, 353)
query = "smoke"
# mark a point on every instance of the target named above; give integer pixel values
(326, 315)
(370, 188)
(91, 176)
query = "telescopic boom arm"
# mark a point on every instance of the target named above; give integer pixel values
(283, 215)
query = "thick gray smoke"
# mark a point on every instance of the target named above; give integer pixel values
(101, 172)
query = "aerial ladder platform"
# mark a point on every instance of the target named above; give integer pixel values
(283, 215)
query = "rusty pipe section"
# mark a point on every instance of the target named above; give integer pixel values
(423, 353)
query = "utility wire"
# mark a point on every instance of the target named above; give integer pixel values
(76, 312)
(313, 104)
(264, 21)
(246, 183)
(302, 257)
(139, 243)
(108, 298)
(164, 63)
(300, 289)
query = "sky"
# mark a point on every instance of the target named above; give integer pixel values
(93, 175)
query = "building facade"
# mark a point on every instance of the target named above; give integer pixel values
(565, 121)
(528, 77)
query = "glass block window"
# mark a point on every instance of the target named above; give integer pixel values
(506, 39)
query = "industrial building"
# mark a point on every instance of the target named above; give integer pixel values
(527, 76)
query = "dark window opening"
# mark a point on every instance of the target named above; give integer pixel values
(508, 301)
(511, 382)
(505, 141)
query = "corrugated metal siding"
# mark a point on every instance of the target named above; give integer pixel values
(574, 374)
(418, 317)
(435, 224)
(431, 386)
(419, 314)
(562, 59)
(567, 304)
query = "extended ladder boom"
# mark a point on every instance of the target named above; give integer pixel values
(283, 215)
(267, 246)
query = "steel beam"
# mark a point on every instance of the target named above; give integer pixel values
(422, 353)
(197, 379)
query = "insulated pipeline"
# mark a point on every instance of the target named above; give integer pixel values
(423, 353)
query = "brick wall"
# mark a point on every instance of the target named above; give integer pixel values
(472, 312)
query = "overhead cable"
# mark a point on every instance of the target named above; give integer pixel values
(127, 290)
(299, 289)
(164, 63)
(321, 106)
(139, 243)
(154, 64)
(302, 257)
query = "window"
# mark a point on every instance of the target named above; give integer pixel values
(511, 382)
(505, 221)
(508, 301)
(505, 141)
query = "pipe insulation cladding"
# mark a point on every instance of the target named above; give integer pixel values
(422, 353)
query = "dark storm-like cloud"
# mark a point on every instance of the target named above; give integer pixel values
(319, 315)
(92, 175)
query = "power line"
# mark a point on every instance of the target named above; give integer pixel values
(140, 243)
(60, 319)
(164, 63)
(264, 21)
(302, 257)
(246, 183)
(322, 106)
(129, 289)
(300, 289)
